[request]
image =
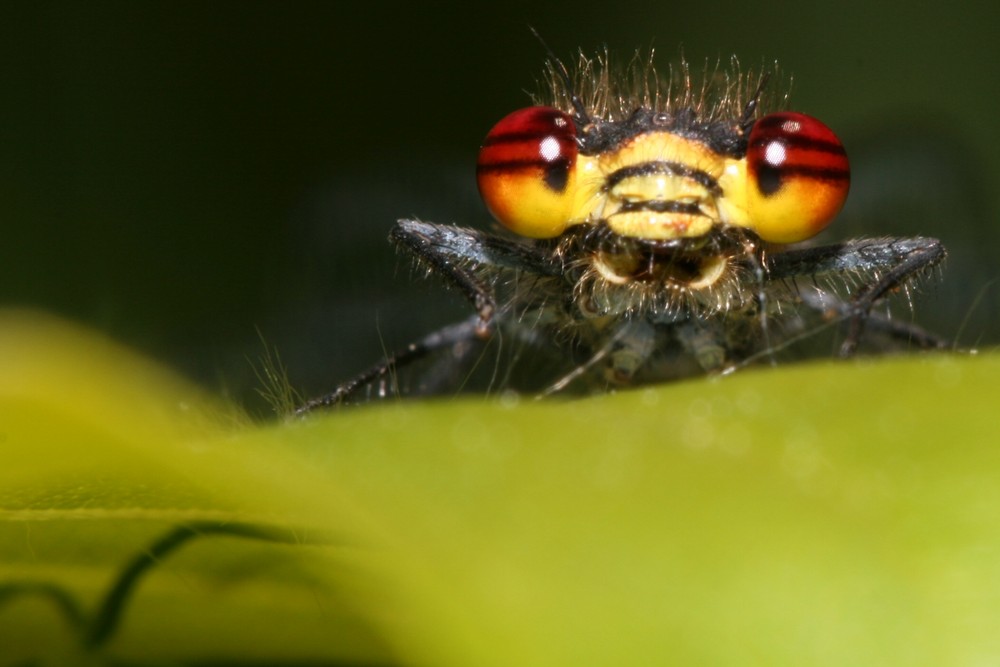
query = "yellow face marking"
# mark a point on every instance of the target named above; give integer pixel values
(665, 147)
(653, 187)
(733, 208)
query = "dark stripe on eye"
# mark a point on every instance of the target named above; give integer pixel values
(770, 179)
(819, 173)
(666, 168)
(555, 174)
(508, 165)
(517, 165)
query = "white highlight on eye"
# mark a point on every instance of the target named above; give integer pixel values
(774, 154)
(549, 149)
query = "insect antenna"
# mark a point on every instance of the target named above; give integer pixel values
(560, 69)
(750, 109)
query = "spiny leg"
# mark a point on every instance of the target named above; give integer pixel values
(455, 254)
(915, 260)
(475, 289)
(447, 337)
(875, 322)
(890, 262)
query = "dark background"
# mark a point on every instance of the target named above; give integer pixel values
(184, 175)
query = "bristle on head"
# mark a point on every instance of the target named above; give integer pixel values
(612, 93)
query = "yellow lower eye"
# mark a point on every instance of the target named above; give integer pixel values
(526, 171)
(799, 177)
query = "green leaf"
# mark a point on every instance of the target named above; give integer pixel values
(823, 514)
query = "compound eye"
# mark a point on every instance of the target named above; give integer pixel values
(798, 175)
(526, 171)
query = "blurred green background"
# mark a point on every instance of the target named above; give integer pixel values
(184, 175)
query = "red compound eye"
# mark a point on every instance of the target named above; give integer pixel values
(799, 177)
(526, 171)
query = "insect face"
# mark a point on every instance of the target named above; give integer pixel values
(540, 174)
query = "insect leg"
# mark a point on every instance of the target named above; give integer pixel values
(888, 264)
(880, 323)
(451, 269)
(456, 253)
(449, 336)
(463, 258)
